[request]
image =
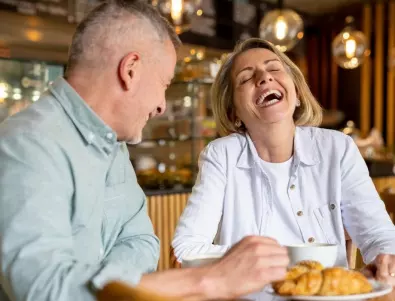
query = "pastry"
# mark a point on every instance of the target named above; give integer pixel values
(339, 281)
(309, 278)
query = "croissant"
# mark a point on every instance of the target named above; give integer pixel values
(303, 267)
(339, 281)
(319, 281)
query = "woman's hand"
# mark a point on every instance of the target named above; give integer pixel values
(382, 269)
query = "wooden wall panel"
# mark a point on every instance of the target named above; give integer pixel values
(379, 66)
(165, 211)
(334, 79)
(366, 70)
(391, 76)
(324, 76)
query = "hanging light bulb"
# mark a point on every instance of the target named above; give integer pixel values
(349, 48)
(282, 27)
(176, 9)
(179, 12)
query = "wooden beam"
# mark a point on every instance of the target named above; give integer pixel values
(379, 66)
(324, 57)
(334, 80)
(365, 120)
(391, 76)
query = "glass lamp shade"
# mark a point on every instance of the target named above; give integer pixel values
(349, 48)
(178, 12)
(282, 27)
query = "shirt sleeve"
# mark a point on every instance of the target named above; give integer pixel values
(136, 248)
(364, 214)
(199, 222)
(36, 258)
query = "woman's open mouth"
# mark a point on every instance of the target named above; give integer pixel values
(269, 98)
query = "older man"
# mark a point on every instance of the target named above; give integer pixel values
(72, 216)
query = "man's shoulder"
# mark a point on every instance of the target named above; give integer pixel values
(43, 117)
(38, 129)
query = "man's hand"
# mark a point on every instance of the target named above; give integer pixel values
(250, 265)
(383, 269)
(246, 268)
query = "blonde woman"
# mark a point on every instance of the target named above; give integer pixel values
(275, 173)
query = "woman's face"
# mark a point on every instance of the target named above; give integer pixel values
(264, 92)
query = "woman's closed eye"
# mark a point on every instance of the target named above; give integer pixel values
(273, 67)
(244, 80)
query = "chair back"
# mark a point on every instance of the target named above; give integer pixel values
(351, 251)
(118, 291)
(388, 197)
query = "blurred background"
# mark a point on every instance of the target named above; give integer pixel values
(345, 48)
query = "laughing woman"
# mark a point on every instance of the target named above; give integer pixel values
(274, 173)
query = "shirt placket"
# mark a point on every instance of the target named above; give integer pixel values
(267, 197)
(299, 212)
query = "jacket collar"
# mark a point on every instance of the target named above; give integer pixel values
(305, 150)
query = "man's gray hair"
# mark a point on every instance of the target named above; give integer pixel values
(107, 24)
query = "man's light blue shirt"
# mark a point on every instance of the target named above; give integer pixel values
(72, 216)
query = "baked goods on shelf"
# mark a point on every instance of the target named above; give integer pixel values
(309, 278)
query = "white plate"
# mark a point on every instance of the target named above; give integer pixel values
(379, 289)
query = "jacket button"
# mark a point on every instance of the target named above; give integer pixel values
(311, 240)
(292, 187)
(299, 213)
(333, 206)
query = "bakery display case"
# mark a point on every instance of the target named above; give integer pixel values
(167, 157)
(166, 160)
(22, 82)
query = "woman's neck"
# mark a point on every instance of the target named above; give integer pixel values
(274, 142)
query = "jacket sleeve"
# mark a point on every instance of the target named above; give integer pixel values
(364, 214)
(199, 222)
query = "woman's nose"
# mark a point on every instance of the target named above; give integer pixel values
(264, 78)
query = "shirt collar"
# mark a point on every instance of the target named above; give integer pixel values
(305, 149)
(88, 123)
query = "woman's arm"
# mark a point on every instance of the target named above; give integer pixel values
(199, 222)
(364, 214)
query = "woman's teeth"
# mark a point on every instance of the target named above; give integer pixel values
(269, 98)
(270, 102)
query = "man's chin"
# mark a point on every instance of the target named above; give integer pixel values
(134, 141)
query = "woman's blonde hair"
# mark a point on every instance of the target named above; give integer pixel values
(309, 113)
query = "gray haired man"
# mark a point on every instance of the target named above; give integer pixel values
(72, 216)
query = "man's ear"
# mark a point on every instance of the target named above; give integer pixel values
(130, 70)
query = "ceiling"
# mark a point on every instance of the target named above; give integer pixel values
(316, 7)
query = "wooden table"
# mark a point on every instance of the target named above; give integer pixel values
(389, 297)
(268, 297)
(119, 291)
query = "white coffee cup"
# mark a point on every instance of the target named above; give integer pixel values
(200, 259)
(326, 254)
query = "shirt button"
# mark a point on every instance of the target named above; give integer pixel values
(91, 136)
(333, 206)
(299, 213)
(292, 187)
(109, 136)
(311, 240)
